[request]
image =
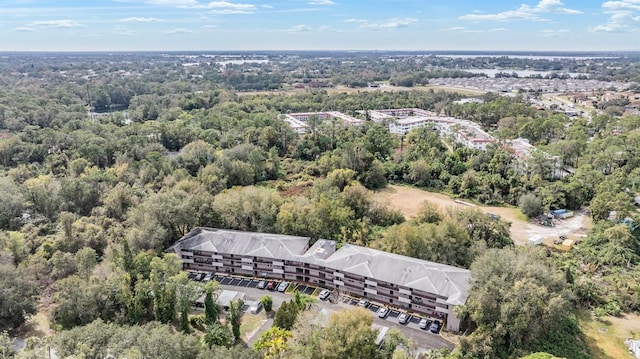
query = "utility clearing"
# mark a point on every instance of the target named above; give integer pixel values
(408, 200)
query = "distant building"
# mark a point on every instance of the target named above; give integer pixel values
(298, 121)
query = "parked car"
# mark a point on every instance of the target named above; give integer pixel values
(383, 312)
(363, 303)
(403, 318)
(262, 284)
(207, 277)
(435, 327)
(424, 323)
(255, 307)
(199, 277)
(283, 286)
(271, 285)
(192, 275)
(324, 294)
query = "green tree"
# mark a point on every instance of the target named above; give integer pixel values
(217, 335)
(286, 315)
(428, 213)
(235, 317)
(272, 343)
(530, 205)
(508, 288)
(6, 345)
(17, 296)
(348, 335)
(211, 309)
(267, 303)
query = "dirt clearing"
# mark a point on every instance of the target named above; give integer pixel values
(606, 336)
(408, 200)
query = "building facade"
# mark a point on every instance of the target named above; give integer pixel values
(414, 285)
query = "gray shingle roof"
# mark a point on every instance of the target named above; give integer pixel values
(265, 245)
(440, 279)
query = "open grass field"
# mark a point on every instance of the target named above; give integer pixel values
(408, 200)
(251, 323)
(606, 336)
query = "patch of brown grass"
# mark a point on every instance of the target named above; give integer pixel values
(606, 335)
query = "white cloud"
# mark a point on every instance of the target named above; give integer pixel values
(23, 29)
(453, 29)
(58, 23)
(123, 30)
(622, 5)
(385, 24)
(178, 3)
(178, 31)
(209, 26)
(230, 12)
(321, 2)
(299, 28)
(142, 19)
(553, 33)
(623, 16)
(230, 5)
(524, 12)
(472, 31)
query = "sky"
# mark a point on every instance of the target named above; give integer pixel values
(148, 25)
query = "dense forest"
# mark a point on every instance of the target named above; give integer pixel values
(101, 172)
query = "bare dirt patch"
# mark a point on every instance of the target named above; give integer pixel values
(408, 200)
(606, 336)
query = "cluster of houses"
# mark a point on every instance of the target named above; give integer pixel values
(415, 285)
(629, 100)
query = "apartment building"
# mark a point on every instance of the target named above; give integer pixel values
(415, 285)
(298, 121)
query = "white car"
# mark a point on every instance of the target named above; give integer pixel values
(283, 286)
(255, 307)
(324, 294)
(383, 312)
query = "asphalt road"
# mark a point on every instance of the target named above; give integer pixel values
(423, 338)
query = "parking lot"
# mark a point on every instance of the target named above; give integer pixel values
(423, 338)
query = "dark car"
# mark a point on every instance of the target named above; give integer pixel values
(403, 318)
(424, 323)
(435, 327)
(324, 294)
(262, 284)
(271, 285)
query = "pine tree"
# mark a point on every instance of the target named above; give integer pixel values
(184, 321)
(210, 309)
